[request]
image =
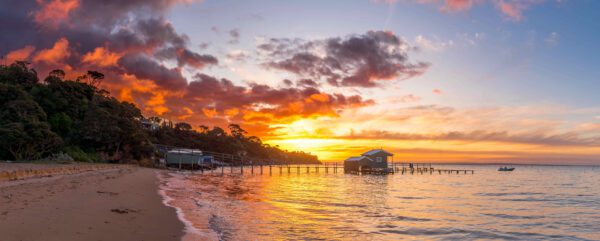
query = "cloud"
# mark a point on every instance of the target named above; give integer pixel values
(472, 39)
(307, 82)
(356, 60)
(53, 12)
(432, 45)
(85, 28)
(143, 67)
(536, 138)
(263, 103)
(101, 57)
(552, 39)
(20, 54)
(187, 57)
(437, 91)
(54, 55)
(513, 9)
(237, 55)
(148, 62)
(235, 36)
(510, 9)
(407, 99)
(459, 5)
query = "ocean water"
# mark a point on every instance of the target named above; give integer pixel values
(531, 203)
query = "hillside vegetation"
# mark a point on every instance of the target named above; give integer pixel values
(39, 119)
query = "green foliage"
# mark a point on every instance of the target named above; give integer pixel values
(218, 140)
(80, 156)
(19, 74)
(24, 132)
(85, 123)
(41, 118)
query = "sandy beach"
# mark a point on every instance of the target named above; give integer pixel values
(108, 203)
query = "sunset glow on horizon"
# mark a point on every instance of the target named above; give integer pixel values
(431, 81)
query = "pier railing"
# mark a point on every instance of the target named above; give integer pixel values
(229, 163)
(329, 168)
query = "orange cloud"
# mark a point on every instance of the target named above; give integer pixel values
(458, 5)
(321, 97)
(125, 95)
(209, 112)
(101, 57)
(54, 55)
(54, 12)
(232, 112)
(187, 113)
(512, 9)
(157, 104)
(20, 54)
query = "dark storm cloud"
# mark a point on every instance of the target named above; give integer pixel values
(133, 44)
(307, 82)
(357, 60)
(186, 57)
(124, 27)
(223, 94)
(143, 67)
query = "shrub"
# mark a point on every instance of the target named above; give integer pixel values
(80, 155)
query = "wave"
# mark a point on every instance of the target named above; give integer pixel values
(191, 232)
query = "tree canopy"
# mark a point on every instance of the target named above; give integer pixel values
(39, 118)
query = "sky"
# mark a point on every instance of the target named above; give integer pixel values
(429, 80)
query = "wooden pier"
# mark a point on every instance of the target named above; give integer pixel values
(329, 168)
(237, 164)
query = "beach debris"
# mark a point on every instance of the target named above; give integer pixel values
(198, 203)
(109, 193)
(122, 210)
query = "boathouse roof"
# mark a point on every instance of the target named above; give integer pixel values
(376, 151)
(186, 151)
(358, 158)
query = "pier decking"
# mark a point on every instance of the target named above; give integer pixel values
(227, 163)
(400, 168)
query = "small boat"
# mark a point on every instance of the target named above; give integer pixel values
(506, 169)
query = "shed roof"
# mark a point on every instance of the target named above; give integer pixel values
(358, 158)
(186, 151)
(376, 151)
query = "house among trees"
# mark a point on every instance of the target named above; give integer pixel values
(375, 160)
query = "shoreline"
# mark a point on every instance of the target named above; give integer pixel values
(122, 202)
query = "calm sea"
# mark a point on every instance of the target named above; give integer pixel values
(531, 203)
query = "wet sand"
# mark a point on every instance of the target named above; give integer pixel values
(115, 203)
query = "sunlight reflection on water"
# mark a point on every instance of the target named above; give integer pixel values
(534, 202)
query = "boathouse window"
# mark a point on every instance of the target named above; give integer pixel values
(378, 159)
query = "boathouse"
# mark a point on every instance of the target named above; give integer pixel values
(376, 159)
(188, 158)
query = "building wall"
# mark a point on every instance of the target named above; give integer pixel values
(382, 164)
(351, 166)
(183, 158)
(354, 166)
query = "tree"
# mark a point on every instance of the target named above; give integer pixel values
(237, 131)
(182, 126)
(19, 74)
(24, 132)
